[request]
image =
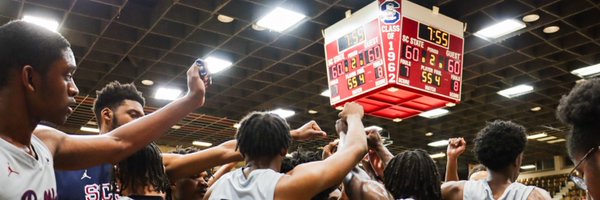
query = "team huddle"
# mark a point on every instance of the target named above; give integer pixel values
(38, 161)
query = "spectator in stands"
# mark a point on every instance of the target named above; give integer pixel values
(263, 138)
(499, 146)
(580, 109)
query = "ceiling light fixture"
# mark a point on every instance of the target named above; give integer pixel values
(89, 129)
(312, 112)
(441, 143)
(546, 138)
(531, 18)
(147, 82)
(216, 65)
(516, 91)
(587, 72)
(437, 155)
(283, 113)
(339, 108)
(528, 167)
(175, 127)
(236, 125)
(257, 27)
(428, 134)
(555, 141)
(450, 104)
(167, 93)
(201, 144)
(536, 136)
(535, 109)
(499, 29)
(551, 29)
(397, 120)
(325, 93)
(280, 19)
(42, 21)
(224, 18)
(435, 113)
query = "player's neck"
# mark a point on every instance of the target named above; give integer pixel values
(16, 122)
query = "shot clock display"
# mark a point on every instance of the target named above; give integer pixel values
(353, 38)
(434, 35)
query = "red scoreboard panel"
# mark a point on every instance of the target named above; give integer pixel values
(395, 58)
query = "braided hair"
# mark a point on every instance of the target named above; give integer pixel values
(144, 168)
(413, 174)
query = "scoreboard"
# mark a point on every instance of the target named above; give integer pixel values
(395, 58)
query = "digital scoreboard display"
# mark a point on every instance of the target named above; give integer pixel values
(391, 46)
(432, 59)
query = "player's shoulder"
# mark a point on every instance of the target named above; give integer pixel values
(539, 194)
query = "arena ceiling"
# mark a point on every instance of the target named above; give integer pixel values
(135, 40)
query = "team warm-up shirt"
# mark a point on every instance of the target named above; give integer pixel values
(24, 177)
(89, 184)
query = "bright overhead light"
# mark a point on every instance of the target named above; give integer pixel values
(167, 93)
(175, 127)
(280, 19)
(428, 134)
(434, 113)
(215, 64)
(283, 113)
(92, 123)
(224, 18)
(500, 29)
(546, 138)
(41, 21)
(441, 143)
(555, 141)
(397, 120)
(437, 155)
(531, 18)
(450, 104)
(528, 167)
(236, 125)
(326, 93)
(89, 129)
(339, 108)
(201, 144)
(551, 29)
(586, 72)
(535, 109)
(147, 82)
(516, 91)
(536, 136)
(257, 27)
(312, 112)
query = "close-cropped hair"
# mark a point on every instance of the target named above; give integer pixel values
(24, 43)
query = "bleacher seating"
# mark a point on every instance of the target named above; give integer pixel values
(554, 184)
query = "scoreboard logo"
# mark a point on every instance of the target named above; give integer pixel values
(389, 12)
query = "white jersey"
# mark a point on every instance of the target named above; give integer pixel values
(480, 190)
(24, 177)
(260, 185)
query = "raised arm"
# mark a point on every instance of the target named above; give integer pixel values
(183, 166)
(220, 172)
(307, 180)
(379, 155)
(456, 146)
(77, 152)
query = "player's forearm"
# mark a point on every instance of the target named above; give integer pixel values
(195, 163)
(452, 169)
(355, 139)
(134, 135)
(383, 153)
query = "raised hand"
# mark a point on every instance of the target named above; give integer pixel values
(352, 108)
(308, 131)
(196, 87)
(456, 146)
